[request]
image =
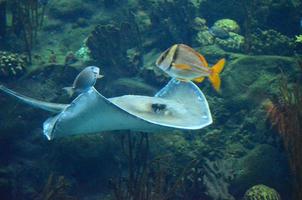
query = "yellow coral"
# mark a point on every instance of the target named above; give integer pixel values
(299, 38)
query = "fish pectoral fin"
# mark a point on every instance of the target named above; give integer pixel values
(182, 66)
(199, 79)
(181, 79)
(99, 76)
(70, 91)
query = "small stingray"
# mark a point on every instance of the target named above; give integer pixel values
(179, 105)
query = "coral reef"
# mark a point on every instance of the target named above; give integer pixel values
(228, 25)
(5, 184)
(224, 33)
(12, 65)
(263, 158)
(234, 43)
(124, 38)
(28, 17)
(285, 114)
(261, 192)
(217, 178)
(116, 48)
(173, 21)
(298, 38)
(271, 42)
(70, 10)
(55, 189)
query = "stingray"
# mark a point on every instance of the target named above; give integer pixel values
(179, 105)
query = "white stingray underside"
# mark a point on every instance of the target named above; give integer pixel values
(185, 107)
(179, 105)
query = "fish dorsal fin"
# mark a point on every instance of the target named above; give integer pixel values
(203, 60)
(201, 57)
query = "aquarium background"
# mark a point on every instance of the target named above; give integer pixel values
(251, 151)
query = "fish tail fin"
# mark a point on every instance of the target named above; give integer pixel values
(216, 70)
(69, 90)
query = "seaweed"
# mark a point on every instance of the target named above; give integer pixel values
(55, 189)
(285, 115)
(150, 178)
(27, 18)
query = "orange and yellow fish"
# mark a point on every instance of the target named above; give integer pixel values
(184, 63)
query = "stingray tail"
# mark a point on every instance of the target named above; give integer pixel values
(51, 107)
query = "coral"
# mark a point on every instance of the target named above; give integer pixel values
(204, 38)
(261, 192)
(217, 178)
(200, 24)
(109, 45)
(83, 54)
(285, 115)
(271, 42)
(173, 21)
(298, 38)
(228, 25)
(234, 43)
(12, 65)
(263, 164)
(70, 10)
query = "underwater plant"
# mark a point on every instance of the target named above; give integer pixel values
(152, 177)
(55, 189)
(27, 19)
(285, 115)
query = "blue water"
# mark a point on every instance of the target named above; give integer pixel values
(44, 45)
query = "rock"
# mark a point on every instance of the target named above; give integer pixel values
(228, 25)
(261, 192)
(262, 165)
(70, 10)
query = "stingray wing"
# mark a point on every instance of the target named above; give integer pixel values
(91, 112)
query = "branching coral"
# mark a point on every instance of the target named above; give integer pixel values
(286, 116)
